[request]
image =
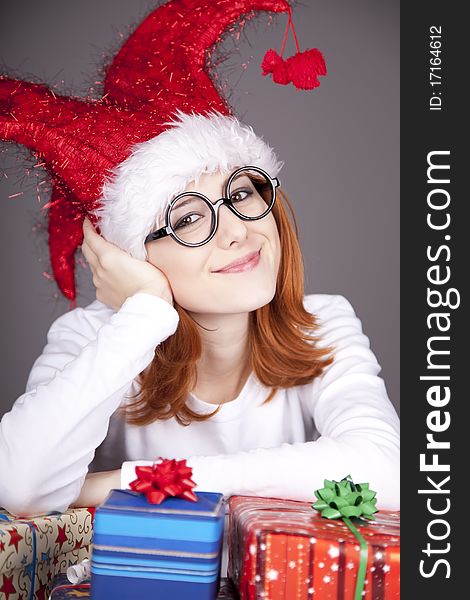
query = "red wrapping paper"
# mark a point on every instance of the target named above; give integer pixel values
(284, 550)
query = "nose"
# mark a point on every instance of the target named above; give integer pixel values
(230, 227)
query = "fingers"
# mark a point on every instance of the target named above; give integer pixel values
(92, 261)
(90, 256)
(97, 249)
(104, 251)
(93, 239)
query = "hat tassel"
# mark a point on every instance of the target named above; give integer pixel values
(302, 69)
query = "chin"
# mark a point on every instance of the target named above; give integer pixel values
(240, 300)
(250, 300)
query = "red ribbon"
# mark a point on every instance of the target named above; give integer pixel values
(163, 479)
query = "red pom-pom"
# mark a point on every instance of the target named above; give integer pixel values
(270, 60)
(304, 68)
(275, 65)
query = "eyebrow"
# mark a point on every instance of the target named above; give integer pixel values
(184, 202)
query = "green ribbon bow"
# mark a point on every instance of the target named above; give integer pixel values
(345, 499)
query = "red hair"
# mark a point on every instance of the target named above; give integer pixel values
(282, 340)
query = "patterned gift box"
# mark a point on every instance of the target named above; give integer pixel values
(167, 550)
(62, 589)
(33, 550)
(284, 549)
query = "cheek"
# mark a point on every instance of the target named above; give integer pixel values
(181, 267)
(273, 235)
(189, 286)
(167, 260)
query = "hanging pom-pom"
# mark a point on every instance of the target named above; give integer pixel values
(304, 68)
(276, 66)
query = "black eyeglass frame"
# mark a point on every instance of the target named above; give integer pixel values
(215, 207)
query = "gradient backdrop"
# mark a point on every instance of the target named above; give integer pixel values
(340, 143)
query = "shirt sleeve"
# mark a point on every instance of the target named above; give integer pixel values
(49, 437)
(357, 423)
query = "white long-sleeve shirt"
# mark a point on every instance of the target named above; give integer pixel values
(65, 424)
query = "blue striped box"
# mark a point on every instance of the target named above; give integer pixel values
(168, 550)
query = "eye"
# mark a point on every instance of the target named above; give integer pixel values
(240, 195)
(185, 221)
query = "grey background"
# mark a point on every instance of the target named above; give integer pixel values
(340, 143)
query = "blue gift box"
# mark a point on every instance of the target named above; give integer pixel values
(168, 550)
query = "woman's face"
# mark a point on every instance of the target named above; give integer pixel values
(191, 271)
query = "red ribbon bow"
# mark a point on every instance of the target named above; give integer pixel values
(167, 478)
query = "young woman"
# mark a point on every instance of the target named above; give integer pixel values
(207, 350)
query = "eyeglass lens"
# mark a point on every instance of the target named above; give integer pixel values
(193, 220)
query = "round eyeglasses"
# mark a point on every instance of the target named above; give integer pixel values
(191, 218)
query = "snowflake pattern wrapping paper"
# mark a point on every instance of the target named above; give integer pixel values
(284, 550)
(33, 550)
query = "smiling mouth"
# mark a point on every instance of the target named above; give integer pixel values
(245, 266)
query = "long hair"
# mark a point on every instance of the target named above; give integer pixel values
(282, 343)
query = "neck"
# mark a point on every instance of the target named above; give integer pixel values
(225, 361)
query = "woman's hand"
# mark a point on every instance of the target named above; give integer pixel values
(96, 487)
(117, 275)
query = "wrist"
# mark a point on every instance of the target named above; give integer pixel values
(156, 292)
(96, 487)
(114, 479)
